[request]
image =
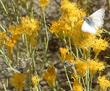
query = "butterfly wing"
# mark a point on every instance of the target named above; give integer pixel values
(97, 17)
(88, 28)
(96, 21)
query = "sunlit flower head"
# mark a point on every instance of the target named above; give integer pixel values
(18, 81)
(81, 67)
(15, 30)
(103, 83)
(10, 42)
(86, 41)
(12, 37)
(66, 56)
(69, 58)
(99, 45)
(35, 80)
(77, 86)
(63, 52)
(70, 8)
(95, 66)
(50, 76)
(29, 25)
(43, 3)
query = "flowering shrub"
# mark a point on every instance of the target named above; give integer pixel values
(25, 50)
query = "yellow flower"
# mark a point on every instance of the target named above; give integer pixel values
(10, 42)
(70, 8)
(2, 38)
(86, 41)
(43, 3)
(95, 65)
(99, 45)
(70, 23)
(29, 25)
(63, 52)
(35, 80)
(15, 30)
(65, 56)
(77, 86)
(103, 83)
(11, 38)
(18, 81)
(50, 75)
(81, 67)
(69, 58)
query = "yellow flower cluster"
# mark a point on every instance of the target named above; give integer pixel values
(18, 81)
(69, 27)
(99, 45)
(69, 24)
(92, 41)
(81, 67)
(77, 86)
(63, 52)
(93, 66)
(50, 75)
(86, 41)
(28, 26)
(103, 83)
(65, 56)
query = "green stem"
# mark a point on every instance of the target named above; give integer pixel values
(77, 53)
(4, 87)
(35, 88)
(87, 80)
(81, 52)
(2, 28)
(7, 61)
(54, 89)
(83, 82)
(39, 88)
(27, 46)
(96, 55)
(68, 78)
(33, 60)
(4, 7)
(46, 31)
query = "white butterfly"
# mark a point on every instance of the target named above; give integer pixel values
(94, 21)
